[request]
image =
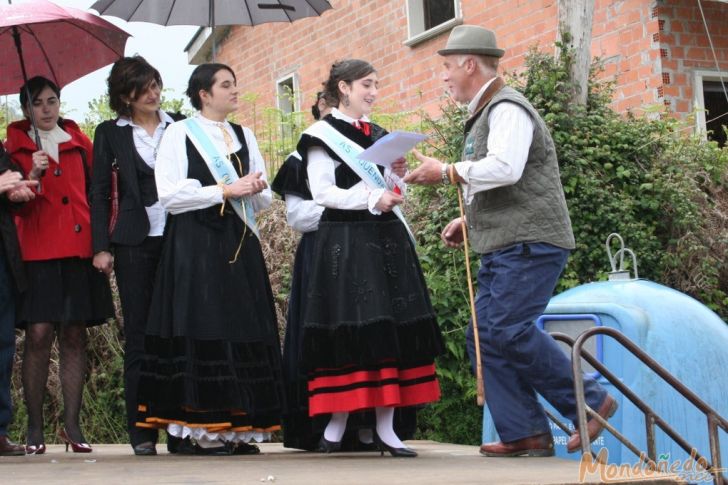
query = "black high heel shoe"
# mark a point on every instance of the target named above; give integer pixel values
(395, 452)
(326, 446)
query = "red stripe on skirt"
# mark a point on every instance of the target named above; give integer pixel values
(355, 377)
(365, 397)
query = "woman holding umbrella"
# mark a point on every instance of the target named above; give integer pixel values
(65, 294)
(125, 149)
(211, 369)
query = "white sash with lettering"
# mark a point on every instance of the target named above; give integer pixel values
(348, 151)
(221, 169)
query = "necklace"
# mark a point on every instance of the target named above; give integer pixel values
(229, 147)
(154, 146)
(143, 134)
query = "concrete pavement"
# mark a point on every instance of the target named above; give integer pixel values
(438, 463)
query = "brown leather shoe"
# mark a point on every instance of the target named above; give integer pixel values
(606, 411)
(8, 448)
(539, 445)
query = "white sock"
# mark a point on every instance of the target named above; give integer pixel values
(335, 429)
(385, 429)
(366, 436)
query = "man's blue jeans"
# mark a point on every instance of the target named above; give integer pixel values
(519, 360)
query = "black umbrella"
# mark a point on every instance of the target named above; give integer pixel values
(211, 13)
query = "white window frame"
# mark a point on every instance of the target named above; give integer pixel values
(699, 99)
(296, 102)
(415, 16)
(202, 44)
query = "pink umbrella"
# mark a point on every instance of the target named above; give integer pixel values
(60, 43)
(42, 39)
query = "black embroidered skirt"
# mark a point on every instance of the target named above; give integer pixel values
(298, 428)
(370, 332)
(212, 353)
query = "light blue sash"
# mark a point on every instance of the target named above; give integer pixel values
(221, 169)
(349, 151)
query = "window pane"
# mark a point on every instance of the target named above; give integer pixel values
(716, 106)
(285, 95)
(437, 12)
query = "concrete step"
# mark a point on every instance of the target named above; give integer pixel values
(438, 463)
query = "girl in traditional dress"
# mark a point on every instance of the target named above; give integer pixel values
(370, 333)
(211, 369)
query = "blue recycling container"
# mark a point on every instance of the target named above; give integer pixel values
(680, 333)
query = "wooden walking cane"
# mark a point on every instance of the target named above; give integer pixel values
(480, 388)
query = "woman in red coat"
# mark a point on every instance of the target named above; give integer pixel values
(65, 293)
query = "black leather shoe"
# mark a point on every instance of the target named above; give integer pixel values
(395, 452)
(326, 446)
(190, 448)
(173, 443)
(187, 447)
(243, 449)
(145, 449)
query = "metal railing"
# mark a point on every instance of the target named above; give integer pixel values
(714, 420)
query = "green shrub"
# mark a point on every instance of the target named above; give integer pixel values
(661, 189)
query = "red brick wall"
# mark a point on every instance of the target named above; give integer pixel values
(685, 47)
(625, 34)
(624, 37)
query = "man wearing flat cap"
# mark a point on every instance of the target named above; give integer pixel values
(518, 222)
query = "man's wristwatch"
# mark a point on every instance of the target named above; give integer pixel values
(443, 174)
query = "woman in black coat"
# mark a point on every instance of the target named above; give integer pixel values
(129, 240)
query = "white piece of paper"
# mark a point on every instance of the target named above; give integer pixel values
(391, 147)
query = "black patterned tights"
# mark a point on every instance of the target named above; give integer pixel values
(36, 358)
